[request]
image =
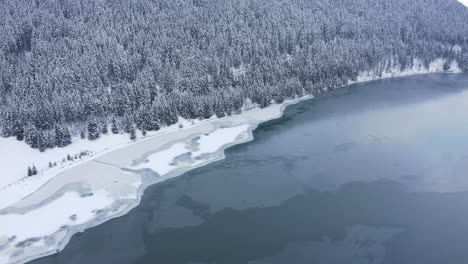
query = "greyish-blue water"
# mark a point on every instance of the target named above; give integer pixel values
(371, 173)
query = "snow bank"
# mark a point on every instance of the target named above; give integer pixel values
(393, 70)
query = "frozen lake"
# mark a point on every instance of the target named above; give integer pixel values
(371, 173)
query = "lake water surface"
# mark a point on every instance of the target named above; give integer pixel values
(371, 173)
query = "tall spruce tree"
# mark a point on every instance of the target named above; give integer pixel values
(93, 131)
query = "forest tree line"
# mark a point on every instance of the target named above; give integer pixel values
(77, 67)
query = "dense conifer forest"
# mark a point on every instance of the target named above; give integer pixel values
(91, 67)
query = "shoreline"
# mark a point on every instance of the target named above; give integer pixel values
(118, 162)
(65, 182)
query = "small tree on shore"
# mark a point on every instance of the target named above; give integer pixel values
(104, 129)
(34, 170)
(114, 128)
(132, 133)
(93, 131)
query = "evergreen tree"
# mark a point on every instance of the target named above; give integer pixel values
(62, 136)
(104, 129)
(34, 170)
(32, 136)
(54, 77)
(30, 172)
(42, 141)
(20, 135)
(132, 133)
(93, 131)
(115, 129)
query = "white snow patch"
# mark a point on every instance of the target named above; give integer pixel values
(465, 2)
(161, 162)
(238, 72)
(214, 141)
(392, 69)
(17, 156)
(457, 48)
(49, 219)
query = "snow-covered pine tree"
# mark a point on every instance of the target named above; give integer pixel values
(148, 80)
(132, 133)
(114, 128)
(93, 131)
(62, 136)
(104, 129)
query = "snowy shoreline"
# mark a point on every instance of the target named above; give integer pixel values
(110, 183)
(115, 183)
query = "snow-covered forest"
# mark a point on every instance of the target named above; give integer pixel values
(88, 67)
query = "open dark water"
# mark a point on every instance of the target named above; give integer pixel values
(372, 173)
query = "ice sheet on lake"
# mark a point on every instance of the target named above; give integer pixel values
(163, 162)
(33, 227)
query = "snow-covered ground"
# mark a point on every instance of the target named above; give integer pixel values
(418, 68)
(19, 225)
(18, 156)
(465, 2)
(111, 180)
